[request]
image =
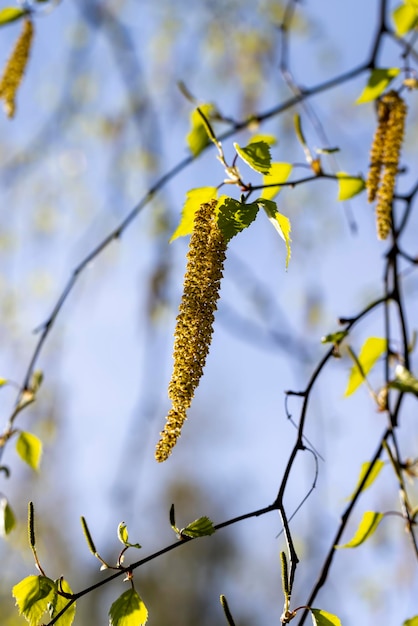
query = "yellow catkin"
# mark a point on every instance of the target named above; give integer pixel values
(15, 68)
(376, 152)
(194, 326)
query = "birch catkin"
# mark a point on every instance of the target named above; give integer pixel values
(194, 326)
(15, 68)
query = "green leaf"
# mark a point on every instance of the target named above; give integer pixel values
(256, 155)
(279, 172)
(7, 518)
(377, 468)
(201, 527)
(370, 352)
(349, 186)
(198, 137)
(194, 198)
(128, 610)
(3, 381)
(298, 130)
(59, 603)
(11, 14)
(369, 522)
(335, 338)
(29, 448)
(404, 381)
(379, 79)
(405, 18)
(412, 621)
(235, 216)
(33, 594)
(269, 139)
(124, 537)
(280, 222)
(322, 618)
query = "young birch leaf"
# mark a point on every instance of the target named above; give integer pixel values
(349, 186)
(372, 349)
(29, 448)
(201, 527)
(377, 468)
(128, 610)
(405, 18)
(124, 537)
(280, 222)
(269, 139)
(412, 621)
(33, 595)
(279, 172)
(256, 155)
(404, 381)
(322, 618)
(3, 381)
(235, 216)
(194, 198)
(59, 603)
(369, 522)
(11, 14)
(198, 138)
(379, 79)
(7, 518)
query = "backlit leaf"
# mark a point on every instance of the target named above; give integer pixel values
(201, 527)
(372, 349)
(377, 467)
(256, 155)
(29, 448)
(33, 594)
(198, 137)
(405, 18)
(3, 381)
(269, 139)
(279, 172)
(194, 198)
(412, 621)
(322, 618)
(235, 216)
(7, 518)
(349, 186)
(379, 79)
(404, 381)
(128, 610)
(59, 603)
(11, 14)
(124, 537)
(280, 222)
(369, 522)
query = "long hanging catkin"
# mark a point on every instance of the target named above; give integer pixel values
(15, 68)
(194, 326)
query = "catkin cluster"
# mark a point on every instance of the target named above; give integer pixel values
(384, 158)
(15, 68)
(194, 326)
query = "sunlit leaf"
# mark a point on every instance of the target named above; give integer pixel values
(3, 381)
(279, 172)
(11, 14)
(379, 79)
(256, 155)
(377, 467)
(404, 381)
(372, 349)
(235, 216)
(59, 603)
(124, 537)
(7, 518)
(271, 140)
(128, 610)
(201, 527)
(33, 595)
(29, 448)
(194, 198)
(412, 621)
(349, 186)
(280, 222)
(198, 137)
(369, 522)
(405, 18)
(322, 618)
(335, 338)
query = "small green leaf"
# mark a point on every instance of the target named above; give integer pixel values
(279, 172)
(269, 139)
(128, 610)
(29, 448)
(280, 222)
(412, 621)
(3, 381)
(7, 518)
(322, 618)
(194, 198)
(405, 18)
(123, 536)
(404, 381)
(377, 468)
(379, 79)
(335, 338)
(201, 527)
(372, 349)
(59, 603)
(256, 155)
(369, 522)
(33, 595)
(235, 216)
(11, 14)
(198, 137)
(349, 186)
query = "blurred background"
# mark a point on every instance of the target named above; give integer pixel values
(100, 119)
